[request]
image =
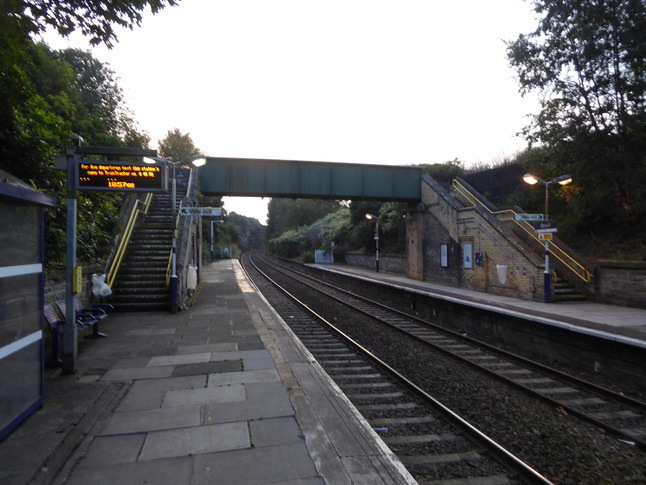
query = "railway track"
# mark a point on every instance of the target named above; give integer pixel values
(434, 443)
(619, 415)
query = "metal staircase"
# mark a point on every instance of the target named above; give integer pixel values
(141, 283)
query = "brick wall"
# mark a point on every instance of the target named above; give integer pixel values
(467, 247)
(621, 283)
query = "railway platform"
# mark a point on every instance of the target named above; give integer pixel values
(610, 322)
(220, 393)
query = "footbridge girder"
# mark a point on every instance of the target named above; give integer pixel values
(249, 177)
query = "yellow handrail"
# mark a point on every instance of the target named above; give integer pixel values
(125, 239)
(509, 215)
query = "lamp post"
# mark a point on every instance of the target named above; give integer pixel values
(530, 179)
(370, 216)
(173, 284)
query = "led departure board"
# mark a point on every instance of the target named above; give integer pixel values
(120, 176)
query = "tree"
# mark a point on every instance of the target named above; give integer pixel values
(177, 147)
(95, 19)
(99, 94)
(251, 231)
(286, 214)
(45, 96)
(446, 171)
(392, 226)
(587, 60)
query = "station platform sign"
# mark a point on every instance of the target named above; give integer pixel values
(546, 226)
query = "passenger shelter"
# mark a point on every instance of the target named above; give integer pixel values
(21, 300)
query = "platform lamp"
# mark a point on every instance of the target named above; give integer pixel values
(197, 161)
(370, 216)
(530, 179)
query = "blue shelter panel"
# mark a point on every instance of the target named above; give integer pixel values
(299, 179)
(21, 300)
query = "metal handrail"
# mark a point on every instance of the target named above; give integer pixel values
(509, 215)
(125, 239)
(170, 256)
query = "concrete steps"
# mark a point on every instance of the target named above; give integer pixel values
(566, 291)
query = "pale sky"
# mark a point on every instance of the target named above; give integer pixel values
(357, 81)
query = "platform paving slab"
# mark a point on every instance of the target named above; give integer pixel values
(139, 421)
(213, 395)
(197, 440)
(109, 450)
(175, 471)
(265, 400)
(281, 464)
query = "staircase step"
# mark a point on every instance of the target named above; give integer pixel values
(149, 251)
(124, 286)
(153, 259)
(154, 232)
(140, 291)
(565, 291)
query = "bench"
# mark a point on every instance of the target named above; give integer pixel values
(86, 317)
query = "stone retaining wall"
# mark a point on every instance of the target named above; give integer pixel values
(621, 283)
(55, 285)
(388, 263)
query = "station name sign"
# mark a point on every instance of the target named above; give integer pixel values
(120, 176)
(545, 227)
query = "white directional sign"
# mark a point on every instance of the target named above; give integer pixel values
(528, 217)
(201, 211)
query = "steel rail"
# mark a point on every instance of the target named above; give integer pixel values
(586, 385)
(502, 455)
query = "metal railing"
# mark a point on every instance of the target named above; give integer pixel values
(140, 207)
(509, 215)
(184, 229)
(170, 256)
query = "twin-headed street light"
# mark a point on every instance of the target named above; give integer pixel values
(530, 179)
(533, 180)
(197, 161)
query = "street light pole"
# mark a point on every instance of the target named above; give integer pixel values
(532, 180)
(370, 216)
(173, 284)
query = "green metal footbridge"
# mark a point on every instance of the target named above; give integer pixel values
(248, 177)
